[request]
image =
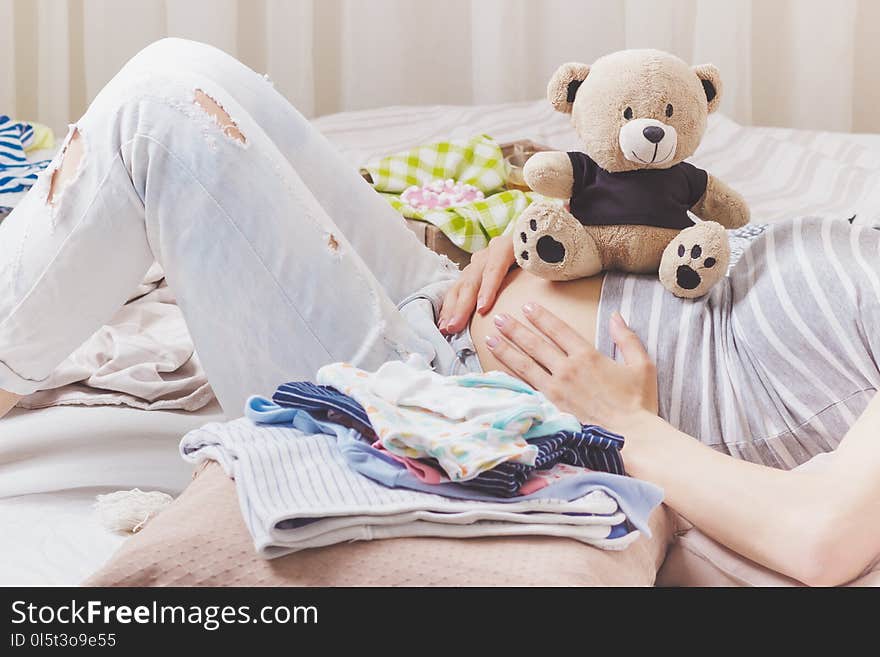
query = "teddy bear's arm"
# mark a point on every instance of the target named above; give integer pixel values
(550, 174)
(722, 204)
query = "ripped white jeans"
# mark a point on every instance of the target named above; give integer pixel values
(281, 257)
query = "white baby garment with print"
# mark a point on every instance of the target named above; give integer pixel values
(470, 423)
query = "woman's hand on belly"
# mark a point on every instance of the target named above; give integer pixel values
(554, 358)
(478, 285)
(577, 301)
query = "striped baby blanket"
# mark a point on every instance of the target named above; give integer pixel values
(17, 174)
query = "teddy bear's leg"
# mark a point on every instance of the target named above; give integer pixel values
(695, 260)
(635, 249)
(549, 242)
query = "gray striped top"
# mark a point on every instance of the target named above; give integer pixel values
(778, 361)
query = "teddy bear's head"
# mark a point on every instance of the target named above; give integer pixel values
(637, 109)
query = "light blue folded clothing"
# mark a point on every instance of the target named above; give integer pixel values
(296, 491)
(634, 497)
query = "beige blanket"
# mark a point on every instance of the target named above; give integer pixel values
(143, 358)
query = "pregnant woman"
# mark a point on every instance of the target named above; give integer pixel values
(282, 260)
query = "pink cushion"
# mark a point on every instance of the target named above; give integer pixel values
(200, 540)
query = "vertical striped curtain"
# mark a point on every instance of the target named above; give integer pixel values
(798, 63)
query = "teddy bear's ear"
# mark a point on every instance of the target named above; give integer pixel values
(711, 79)
(564, 85)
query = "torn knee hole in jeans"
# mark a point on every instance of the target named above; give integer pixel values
(220, 116)
(71, 157)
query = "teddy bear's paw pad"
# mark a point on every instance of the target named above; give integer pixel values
(536, 244)
(549, 250)
(694, 261)
(688, 276)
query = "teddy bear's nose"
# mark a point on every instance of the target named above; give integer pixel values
(653, 134)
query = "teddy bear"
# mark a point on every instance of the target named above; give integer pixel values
(631, 196)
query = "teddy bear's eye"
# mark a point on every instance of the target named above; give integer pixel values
(669, 110)
(628, 113)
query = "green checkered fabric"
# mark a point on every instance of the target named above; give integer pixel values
(477, 161)
(472, 225)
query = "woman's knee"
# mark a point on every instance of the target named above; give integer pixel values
(174, 53)
(160, 65)
(151, 72)
(160, 72)
(172, 65)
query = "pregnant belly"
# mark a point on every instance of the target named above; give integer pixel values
(575, 302)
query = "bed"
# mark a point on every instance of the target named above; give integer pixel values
(54, 461)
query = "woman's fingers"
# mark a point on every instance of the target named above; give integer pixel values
(565, 337)
(493, 276)
(540, 349)
(522, 365)
(478, 285)
(627, 341)
(448, 307)
(500, 259)
(465, 303)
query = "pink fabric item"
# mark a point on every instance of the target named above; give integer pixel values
(440, 194)
(423, 471)
(533, 483)
(431, 475)
(543, 478)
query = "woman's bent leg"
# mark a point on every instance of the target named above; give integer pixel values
(392, 252)
(270, 289)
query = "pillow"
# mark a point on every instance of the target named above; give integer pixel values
(201, 540)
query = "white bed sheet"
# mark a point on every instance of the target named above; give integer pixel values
(54, 461)
(53, 539)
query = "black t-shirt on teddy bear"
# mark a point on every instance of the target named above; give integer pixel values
(646, 197)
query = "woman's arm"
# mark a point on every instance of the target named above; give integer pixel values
(820, 527)
(7, 401)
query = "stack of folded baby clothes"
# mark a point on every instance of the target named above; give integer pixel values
(405, 451)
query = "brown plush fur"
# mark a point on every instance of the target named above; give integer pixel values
(713, 242)
(722, 204)
(550, 174)
(646, 81)
(583, 257)
(624, 249)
